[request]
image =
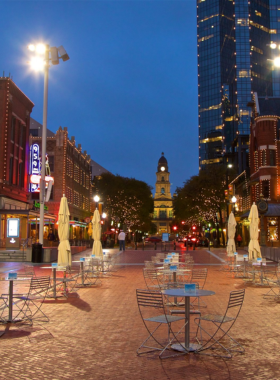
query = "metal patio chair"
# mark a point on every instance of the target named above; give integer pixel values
(199, 277)
(28, 305)
(154, 315)
(218, 337)
(153, 279)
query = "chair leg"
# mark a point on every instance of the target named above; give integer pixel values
(151, 349)
(229, 350)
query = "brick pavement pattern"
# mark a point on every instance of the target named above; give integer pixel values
(95, 336)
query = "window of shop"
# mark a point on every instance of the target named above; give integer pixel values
(272, 229)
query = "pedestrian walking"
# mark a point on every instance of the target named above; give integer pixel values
(239, 240)
(121, 239)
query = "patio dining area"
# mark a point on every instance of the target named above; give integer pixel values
(95, 331)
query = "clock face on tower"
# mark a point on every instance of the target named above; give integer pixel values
(162, 168)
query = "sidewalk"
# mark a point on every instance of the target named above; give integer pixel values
(95, 336)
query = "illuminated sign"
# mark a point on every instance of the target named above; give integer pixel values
(37, 205)
(12, 227)
(34, 166)
(35, 179)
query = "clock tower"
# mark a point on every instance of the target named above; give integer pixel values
(163, 203)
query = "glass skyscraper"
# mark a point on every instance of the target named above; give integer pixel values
(234, 61)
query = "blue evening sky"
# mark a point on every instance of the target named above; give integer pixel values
(129, 90)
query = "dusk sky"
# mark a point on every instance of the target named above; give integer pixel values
(129, 90)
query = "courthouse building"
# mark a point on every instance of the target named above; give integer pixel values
(163, 203)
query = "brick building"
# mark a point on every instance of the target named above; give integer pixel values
(15, 110)
(264, 176)
(70, 168)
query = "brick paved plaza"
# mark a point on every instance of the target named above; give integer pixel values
(95, 335)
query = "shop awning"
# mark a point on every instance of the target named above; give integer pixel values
(273, 210)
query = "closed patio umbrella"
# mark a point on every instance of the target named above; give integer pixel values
(96, 234)
(231, 234)
(64, 250)
(254, 247)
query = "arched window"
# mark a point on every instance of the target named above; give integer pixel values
(162, 190)
(162, 178)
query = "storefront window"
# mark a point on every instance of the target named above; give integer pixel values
(272, 229)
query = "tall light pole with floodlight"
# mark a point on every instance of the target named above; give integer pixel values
(51, 54)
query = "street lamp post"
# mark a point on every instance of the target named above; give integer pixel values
(96, 200)
(51, 54)
(233, 201)
(229, 166)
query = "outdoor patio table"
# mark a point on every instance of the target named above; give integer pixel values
(181, 292)
(83, 271)
(54, 270)
(11, 293)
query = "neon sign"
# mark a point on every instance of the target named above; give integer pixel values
(34, 168)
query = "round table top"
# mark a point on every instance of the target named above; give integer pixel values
(181, 292)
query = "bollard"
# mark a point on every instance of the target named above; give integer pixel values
(194, 246)
(136, 246)
(187, 246)
(174, 246)
(143, 246)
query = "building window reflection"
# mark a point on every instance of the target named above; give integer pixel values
(272, 229)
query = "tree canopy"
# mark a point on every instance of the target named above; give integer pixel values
(202, 196)
(127, 201)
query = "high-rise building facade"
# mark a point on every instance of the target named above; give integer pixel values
(234, 61)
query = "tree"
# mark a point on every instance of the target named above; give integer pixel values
(202, 196)
(126, 200)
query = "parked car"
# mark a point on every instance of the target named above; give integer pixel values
(153, 239)
(192, 239)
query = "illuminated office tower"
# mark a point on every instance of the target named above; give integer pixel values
(234, 61)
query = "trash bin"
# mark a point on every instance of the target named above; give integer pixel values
(37, 253)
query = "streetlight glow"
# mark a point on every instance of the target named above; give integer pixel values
(96, 198)
(41, 48)
(233, 199)
(31, 47)
(277, 62)
(273, 45)
(104, 215)
(37, 63)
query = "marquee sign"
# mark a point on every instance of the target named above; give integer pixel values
(35, 169)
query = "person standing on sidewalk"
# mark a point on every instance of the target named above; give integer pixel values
(239, 240)
(121, 238)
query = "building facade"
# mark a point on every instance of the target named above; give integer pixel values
(233, 39)
(15, 110)
(263, 179)
(70, 168)
(163, 203)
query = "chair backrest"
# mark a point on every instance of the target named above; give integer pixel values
(29, 270)
(150, 273)
(39, 285)
(199, 277)
(151, 277)
(148, 298)
(235, 303)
